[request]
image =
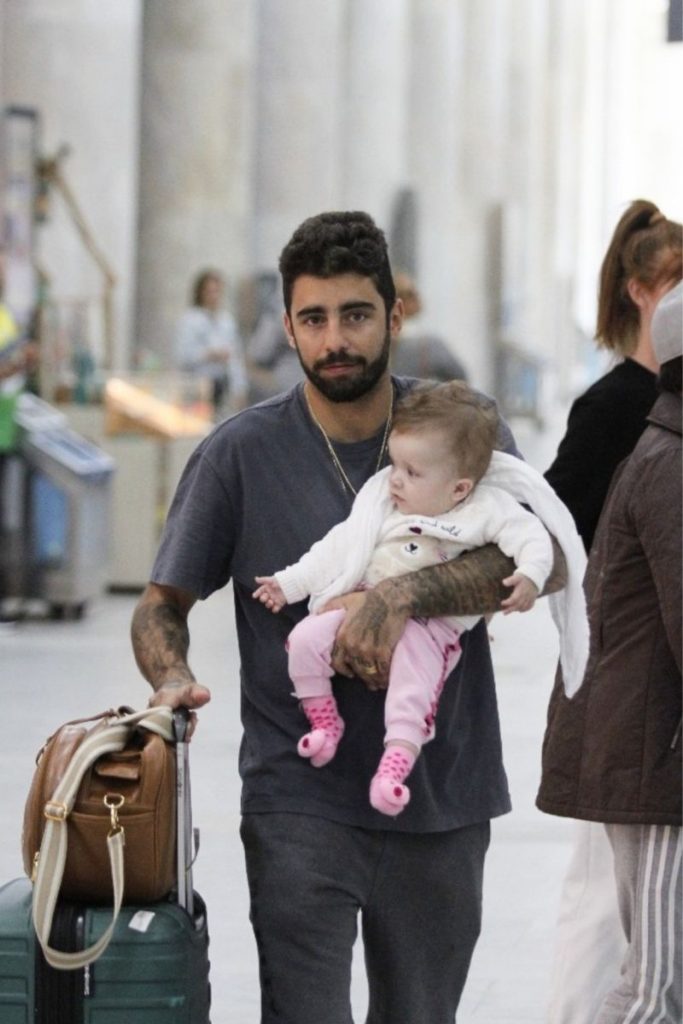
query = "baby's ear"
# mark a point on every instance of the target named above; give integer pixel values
(462, 489)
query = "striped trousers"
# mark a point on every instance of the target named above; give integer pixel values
(647, 861)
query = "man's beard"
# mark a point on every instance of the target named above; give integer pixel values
(349, 390)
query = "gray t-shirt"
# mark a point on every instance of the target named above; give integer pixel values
(255, 495)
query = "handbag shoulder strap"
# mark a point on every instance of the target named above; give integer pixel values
(108, 737)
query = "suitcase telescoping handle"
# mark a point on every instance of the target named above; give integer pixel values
(185, 857)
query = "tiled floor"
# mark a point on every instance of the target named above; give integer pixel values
(52, 671)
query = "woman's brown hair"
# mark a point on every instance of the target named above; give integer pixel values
(200, 282)
(645, 246)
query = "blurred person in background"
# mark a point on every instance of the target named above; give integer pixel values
(613, 753)
(642, 262)
(208, 346)
(416, 353)
(18, 358)
(273, 363)
(18, 354)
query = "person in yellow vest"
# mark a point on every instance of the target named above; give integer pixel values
(17, 356)
(9, 332)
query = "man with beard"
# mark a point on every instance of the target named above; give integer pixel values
(258, 492)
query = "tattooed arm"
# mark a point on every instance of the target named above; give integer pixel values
(161, 640)
(468, 585)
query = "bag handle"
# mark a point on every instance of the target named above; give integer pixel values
(111, 736)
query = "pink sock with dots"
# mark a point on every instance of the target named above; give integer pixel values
(387, 792)
(320, 744)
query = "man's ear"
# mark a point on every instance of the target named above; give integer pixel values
(396, 319)
(288, 330)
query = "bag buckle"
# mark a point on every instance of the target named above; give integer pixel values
(114, 801)
(56, 811)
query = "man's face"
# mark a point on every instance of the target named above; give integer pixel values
(338, 327)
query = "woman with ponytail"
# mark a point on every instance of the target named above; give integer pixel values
(642, 263)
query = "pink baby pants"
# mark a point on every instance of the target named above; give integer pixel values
(426, 653)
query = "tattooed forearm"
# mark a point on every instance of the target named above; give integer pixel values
(161, 639)
(376, 612)
(468, 585)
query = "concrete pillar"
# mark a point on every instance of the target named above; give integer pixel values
(567, 343)
(482, 160)
(75, 62)
(434, 131)
(3, 5)
(374, 126)
(194, 157)
(299, 145)
(527, 187)
(592, 227)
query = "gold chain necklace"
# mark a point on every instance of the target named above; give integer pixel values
(345, 482)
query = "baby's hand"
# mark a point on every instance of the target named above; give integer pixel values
(523, 596)
(269, 593)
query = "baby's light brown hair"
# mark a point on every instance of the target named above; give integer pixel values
(467, 420)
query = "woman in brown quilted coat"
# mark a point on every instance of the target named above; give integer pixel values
(613, 753)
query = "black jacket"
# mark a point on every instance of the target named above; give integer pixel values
(603, 428)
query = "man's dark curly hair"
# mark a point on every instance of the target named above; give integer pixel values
(338, 243)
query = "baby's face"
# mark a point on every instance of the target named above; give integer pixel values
(424, 476)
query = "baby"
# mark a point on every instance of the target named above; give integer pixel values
(436, 500)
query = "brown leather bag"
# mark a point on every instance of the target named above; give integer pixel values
(139, 780)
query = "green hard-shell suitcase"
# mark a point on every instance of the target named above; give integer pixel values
(154, 971)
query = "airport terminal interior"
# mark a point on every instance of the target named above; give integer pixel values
(142, 142)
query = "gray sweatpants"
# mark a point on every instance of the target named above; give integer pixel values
(647, 860)
(419, 897)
